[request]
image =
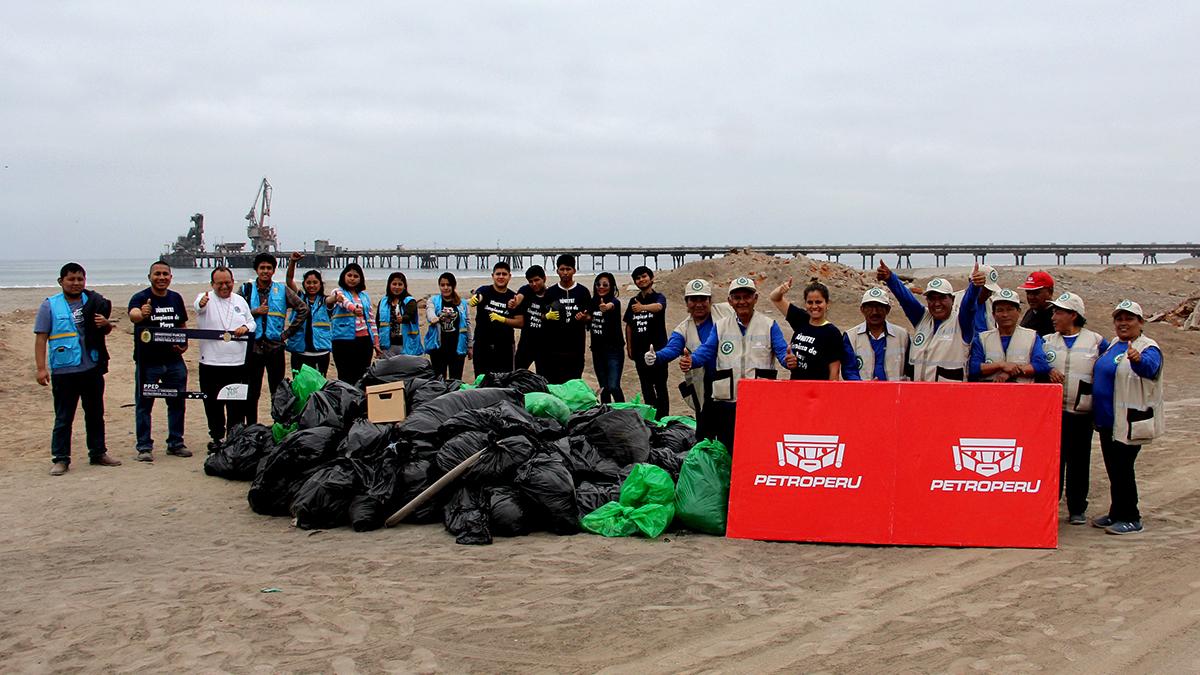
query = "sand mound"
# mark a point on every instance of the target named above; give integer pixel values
(845, 283)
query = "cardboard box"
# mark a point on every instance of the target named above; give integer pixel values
(385, 403)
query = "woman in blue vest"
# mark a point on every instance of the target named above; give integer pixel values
(448, 339)
(399, 320)
(310, 345)
(355, 339)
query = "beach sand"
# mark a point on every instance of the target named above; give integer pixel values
(158, 567)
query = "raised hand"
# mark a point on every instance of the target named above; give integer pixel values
(204, 299)
(977, 277)
(650, 358)
(296, 256)
(883, 272)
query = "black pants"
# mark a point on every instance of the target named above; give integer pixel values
(529, 350)
(69, 390)
(717, 421)
(559, 367)
(352, 358)
(1118, 462)
(223, 415)
(321, 363)
(1075, 454)
(493, 358)
(270, 361)
(654, 385)
(447, 362)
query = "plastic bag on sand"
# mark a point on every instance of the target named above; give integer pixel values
(415, 476)
(456, 450)
(576, 394)
(584, 463)
(467, 516)
(400, 367)
(547, 405)
(336, 405)
(702, 495)
(500, 461)
(366, 440)
(238, 457)
(591, 496)
(308, 380)
(620, 435)
(523, 381)
(646, 505)
(285, 406)
(323, 499)
(648, 412)
(689, 421)
(366, 513)
(674, 436)
(284, 469)
(378, 486)
(427, 421)
(509, 512)
(506, 418)
(546, 483)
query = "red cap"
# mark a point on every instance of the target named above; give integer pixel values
(1036, 280)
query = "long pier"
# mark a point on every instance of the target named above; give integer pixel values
(627, 257)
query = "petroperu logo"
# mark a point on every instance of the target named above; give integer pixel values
(986, 457)
(809, 454)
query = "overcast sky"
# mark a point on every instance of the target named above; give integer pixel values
(555, 123)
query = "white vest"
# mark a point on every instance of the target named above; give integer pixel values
(895, 342)
(742, 356)
(1020, 350)
(939, 356)
(1137, 402)
(692, 387)
(1076, 364)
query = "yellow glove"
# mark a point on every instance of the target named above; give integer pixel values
(474, 300)
(552, 315)
(498, 318)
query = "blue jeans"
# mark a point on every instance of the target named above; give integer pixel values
(170, 376)
(608, 365)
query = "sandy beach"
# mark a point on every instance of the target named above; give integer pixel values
(156, 567)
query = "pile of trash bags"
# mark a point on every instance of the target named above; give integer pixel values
(541, 458)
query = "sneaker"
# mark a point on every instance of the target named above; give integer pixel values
(105, 460)
(181, 451)
(1077, 519)
(1124, 527)
(1102, 522)
(145, 456)
(59, 468)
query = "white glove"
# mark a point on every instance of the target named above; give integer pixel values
(650, 357)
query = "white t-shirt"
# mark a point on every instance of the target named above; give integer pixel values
(224, 314)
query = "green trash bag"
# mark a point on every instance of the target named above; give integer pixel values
(647, 411)
(279, 431)
(307, 381)
(542, 404)
(702, 495)
(478, 379)
(576, 394)
(646, 506)
(688, 421)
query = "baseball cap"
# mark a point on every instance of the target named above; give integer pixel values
(1006, 295)
(697, 287)
(1129, 306)
(877, 296)
(1070, 302)
(1036, 280)
(939, 285)
(991, 278)
(740, 283)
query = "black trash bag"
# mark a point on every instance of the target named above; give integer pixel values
(545, 481)
(283, 403)
(500, 461)
(397, 368)
(381, 478)
(366, 513)
(415, 476)
(675, 437)
(591, 496)
(509, 512)
(584, 417)
(336, 405)
(323, 500)
(238, 457)
(620, 435)
(665, 459)
(523, 381)
(422, 448)
(454, 451)
(584, 463)
(366, 440)
(284, 469)
(505, 418)
(427, 420)
(467, 516)
(422, 390)
(551, 429)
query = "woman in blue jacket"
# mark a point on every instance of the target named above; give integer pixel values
(399, 321)
(355, 338)
(448, 339)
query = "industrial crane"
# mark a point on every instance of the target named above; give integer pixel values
(262, 236)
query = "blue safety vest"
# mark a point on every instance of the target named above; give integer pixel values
(343, 319)
(272, 327)
(65, 345)
(410, 329)
(318, 319)
(433, 336)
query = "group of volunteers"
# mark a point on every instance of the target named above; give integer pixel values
(978, 334)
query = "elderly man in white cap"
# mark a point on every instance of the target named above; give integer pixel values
(1010, 353)
(939, 347)
(743, 345)
(875, 349)
(689, 335)
(1072, 351)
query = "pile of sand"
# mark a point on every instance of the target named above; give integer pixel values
(845, 283)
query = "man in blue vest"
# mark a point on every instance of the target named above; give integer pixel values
(72, 357)
(269, 301)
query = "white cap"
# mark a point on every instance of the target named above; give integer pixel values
(876, 295)
(939, 285)
(991, 278)
(740, 283)
(1129, 306)
(1005, 295)
(697, 287)
(1070, 302)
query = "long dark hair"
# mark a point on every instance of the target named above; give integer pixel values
(362, 278)
(453, 286)
(612, 284)
(314, 273)
(387, 292)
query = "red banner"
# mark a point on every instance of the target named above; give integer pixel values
(938, 464)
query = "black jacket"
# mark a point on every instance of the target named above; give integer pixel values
(93, 336)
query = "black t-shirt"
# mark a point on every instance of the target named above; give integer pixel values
(649, 329)
(532, 306)
(606, 326)
(566, 335)
(815, 347)
(488, 332)
(168, 312)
